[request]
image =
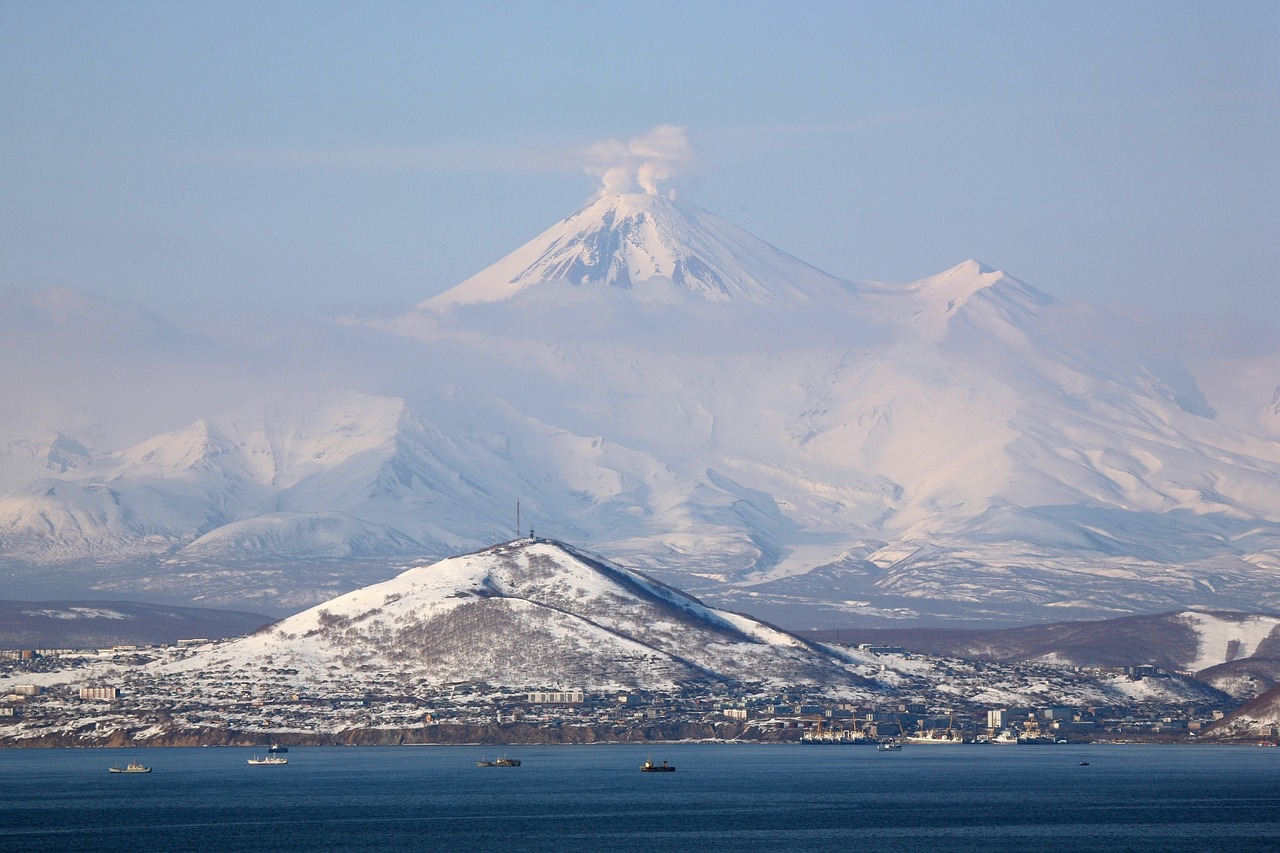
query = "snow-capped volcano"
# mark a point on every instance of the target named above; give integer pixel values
(646, 241)
(534, 614)
(648, 380)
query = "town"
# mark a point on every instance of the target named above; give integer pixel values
(140, 695)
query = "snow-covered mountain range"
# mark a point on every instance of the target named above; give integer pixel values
(648, 380)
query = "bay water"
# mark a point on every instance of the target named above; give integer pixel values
(722, 797)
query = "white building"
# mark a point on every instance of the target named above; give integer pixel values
(556, 697)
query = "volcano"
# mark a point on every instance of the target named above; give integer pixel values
(646, 240)
(654, 383)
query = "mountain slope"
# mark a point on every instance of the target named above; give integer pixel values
(642, 241)
(1191, 641)
(1259, 718)
(535, 613)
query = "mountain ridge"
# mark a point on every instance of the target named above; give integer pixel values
(738, 447)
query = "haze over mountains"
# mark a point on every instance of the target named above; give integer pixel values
(650, 381)
(98, 624)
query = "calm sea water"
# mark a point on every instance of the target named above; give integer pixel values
(722, 797)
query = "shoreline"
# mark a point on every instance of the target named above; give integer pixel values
(511, 735)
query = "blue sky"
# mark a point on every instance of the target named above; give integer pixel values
(310, 157)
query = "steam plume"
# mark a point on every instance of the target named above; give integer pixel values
(641, 163)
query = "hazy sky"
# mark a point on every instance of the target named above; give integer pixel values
(306, 156)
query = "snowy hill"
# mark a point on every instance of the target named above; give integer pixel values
(1210, 645)
(533, 614)
(1259, 718)
(651, 381)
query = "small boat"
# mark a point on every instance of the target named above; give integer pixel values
(886, 745)
(131, 767)
(277, 748)
(650, 767)
(1084, 764)
(499, 762)
(268, 759)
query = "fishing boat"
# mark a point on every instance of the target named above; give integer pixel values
(277, 748)
(506, 762)
(886, 745)
(131, 767)
(268, 760)
(650, 767)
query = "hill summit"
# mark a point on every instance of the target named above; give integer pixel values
(535, 613)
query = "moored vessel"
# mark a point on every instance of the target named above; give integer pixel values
(1037, 740)
(131, 767)
(268, 760)
(944, 738)
(650, 767)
